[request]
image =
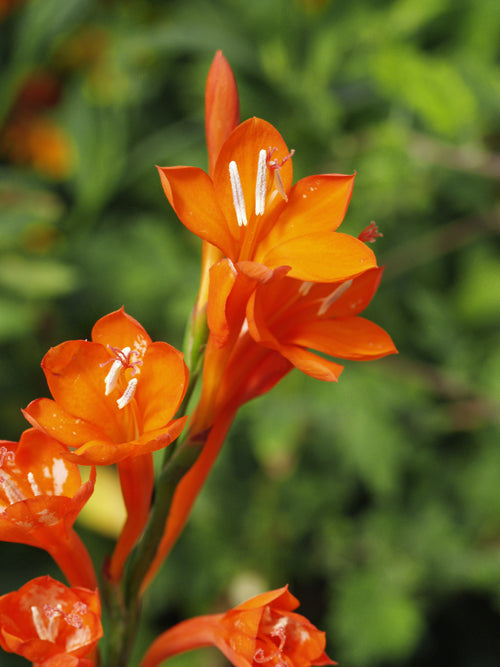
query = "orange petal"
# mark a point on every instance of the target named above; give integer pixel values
(243, 146)
(347, 338)
(48, 416)
(43, 456)
(280, 598)
(162, 384)
(103, 452)
(75, 372)
(120, 330)
(222, 279)
(311, 364)
(191, 194)
(357, 297)
(315, 204)
(222, 107)
(322, 257)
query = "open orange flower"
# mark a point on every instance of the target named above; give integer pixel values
(293, 317)
(50, 624)
(41, 494)
(251, 212)
(115, 396)
(263, 630)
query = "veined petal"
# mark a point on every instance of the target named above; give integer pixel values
(322, 257)
(347, 338)
(243, 147)
(191, 194)
(162, 385)
(315, 204)
(120, 330)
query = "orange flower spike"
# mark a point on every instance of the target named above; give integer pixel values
(50, 624)
(293, 318)
(115, 396)
(222, 113)
(41, 494)
(251, 212)
(263, 630)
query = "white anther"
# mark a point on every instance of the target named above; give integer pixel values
(238, 198)
(128, 394)
(111, 379)
(331, 298)
(261, 183)
(34, 486)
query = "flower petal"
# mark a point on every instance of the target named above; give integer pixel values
(191, 194)
(162, 385)
(322, 257)
(75, 372)
(312, 364)
(347, 338)
(48, 416)
(357, 297)
(118, 329)
(316, 204)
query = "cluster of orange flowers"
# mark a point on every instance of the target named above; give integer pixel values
(280, 288)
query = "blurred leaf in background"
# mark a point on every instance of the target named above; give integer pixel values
(376, 499)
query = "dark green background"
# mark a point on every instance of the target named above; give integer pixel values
(377, 499)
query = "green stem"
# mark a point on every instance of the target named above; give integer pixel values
(145, 551)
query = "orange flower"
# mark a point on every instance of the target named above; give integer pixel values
(50, 624)
(251, 212)
(263, 630)
(292, 316)
(41, 494)
(115, 396)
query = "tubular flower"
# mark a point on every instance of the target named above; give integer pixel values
(263, 630)
(115, 396)
(293, 317)
(251, 212)
(50, 624)
(41, 494)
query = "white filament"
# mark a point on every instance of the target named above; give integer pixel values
(331, 298)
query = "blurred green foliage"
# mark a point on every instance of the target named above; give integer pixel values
(377, 499)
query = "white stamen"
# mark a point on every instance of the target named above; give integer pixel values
(305, 288)
(261, 184)
(45, 630)
(238, 198)
(34, 486)
(111, 379)
(331, 298)
(128, 394)
(12, 491)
